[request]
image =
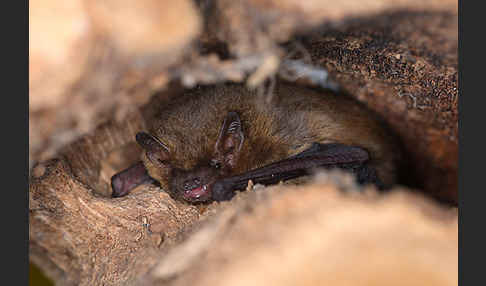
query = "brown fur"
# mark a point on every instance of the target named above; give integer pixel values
(294, 119)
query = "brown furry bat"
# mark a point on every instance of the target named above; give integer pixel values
(210, 141)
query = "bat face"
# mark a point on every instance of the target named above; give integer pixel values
(193, 185)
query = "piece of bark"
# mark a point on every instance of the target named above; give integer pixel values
(80, 238)
(404, 66)
(256, 26)
(316, 233)
(90, 61)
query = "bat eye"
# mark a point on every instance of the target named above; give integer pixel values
(215, 164)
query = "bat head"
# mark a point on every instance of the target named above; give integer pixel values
(195, 185)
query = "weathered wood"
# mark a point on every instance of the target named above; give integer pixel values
(80, 238)
(90, 61)
(267, 236)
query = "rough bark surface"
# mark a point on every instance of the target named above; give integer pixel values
(93, 69)
(327, 231)
(403, 64)
(90, 61)
(80, 237)
(320, 234)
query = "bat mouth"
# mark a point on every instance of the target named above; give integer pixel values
(198, 194)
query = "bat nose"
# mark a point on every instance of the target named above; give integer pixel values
(192, 183)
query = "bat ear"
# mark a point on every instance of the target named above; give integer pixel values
(230, 140)
(156, 151)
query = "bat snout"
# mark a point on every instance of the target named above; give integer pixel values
(194, 190)
(195, 185)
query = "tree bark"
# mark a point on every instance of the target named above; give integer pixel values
(265, 236)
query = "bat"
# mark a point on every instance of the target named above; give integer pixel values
(207, 143)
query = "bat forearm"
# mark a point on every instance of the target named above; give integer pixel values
(317, 156)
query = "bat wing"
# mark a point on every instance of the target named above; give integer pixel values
(318, 155)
